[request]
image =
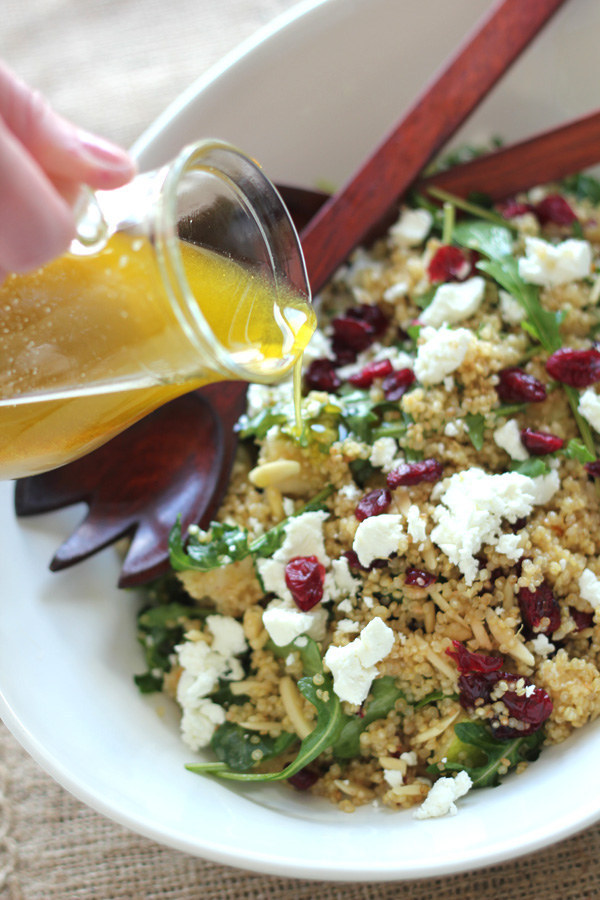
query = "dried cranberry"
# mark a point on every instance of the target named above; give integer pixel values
(531, 707)
(351, 334)
(555, 209)
(418, 578)
(512, 208)
(469, 662)
(373, 504)
(397, 383)
(449, 263)
(304, 576)
(540, 609)
(516, 386)
(367, 376)
(414, 473)
(371, 314)
(577, 368)
(582, 619)
(540, 442)
(593, 468)
(321, 376)
(304, 779)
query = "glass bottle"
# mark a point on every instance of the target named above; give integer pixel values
(190, 274)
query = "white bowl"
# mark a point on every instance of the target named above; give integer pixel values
(308, 97)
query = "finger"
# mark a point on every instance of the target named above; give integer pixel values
(62, 150)
(36, 224)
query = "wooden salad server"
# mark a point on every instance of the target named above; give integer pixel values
(177, 461)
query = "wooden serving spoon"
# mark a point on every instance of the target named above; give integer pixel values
(139, 482)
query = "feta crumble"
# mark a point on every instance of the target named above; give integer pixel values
(378, 537)
(473, 505)
(510, 309)
(441, 352)
(284, 622)
(508, 438)
(303, 537)
(412, 227)
(454, 301)
(440, 800)
(354, 666)
(552, 264)
(589, 407)
(589, 587)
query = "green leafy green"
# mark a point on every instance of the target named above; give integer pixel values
(433, 697)
(485, 758)
(583, 186)
(577, 450)
(383, 697)
(257, 426)
(533, 467)
(330, 721)
(160, 629)
(310, 655)
(492, 239)
(475, 423)
(241, 749)
(223, 544)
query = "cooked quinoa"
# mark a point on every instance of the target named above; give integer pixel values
(404, 593)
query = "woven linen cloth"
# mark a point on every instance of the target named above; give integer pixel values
(112, 66)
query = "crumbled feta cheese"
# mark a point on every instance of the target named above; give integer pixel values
(473, 505)
(415, 525)
(589, 587)
(412, 227)
(441, 352)
(303, 537)
(202, 666)
(284, 622)
(383, 453)
(541, 646)
(509, 545)
(353, 666)
(553, 264)
(545, 487)
(589, 407)
(198, 724)
(340, 581)
(441, 797)
(454, 301)
(351, 492)
(347, 626)
(409, 757)
(368, 602)
(394, 777)
(510, 309)
(378, 537)
(508, 438)
(228, 635)
(345, 606)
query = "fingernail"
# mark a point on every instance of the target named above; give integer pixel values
(104, 153)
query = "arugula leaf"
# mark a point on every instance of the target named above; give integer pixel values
(533, 467)
(475, 423)
(577, 450)
(494, 240)
(223, 544)
(241, 749)
(509, 409)
(220, 545)
(583, 186)
(487, 759)
(257, 426)
(425, 299)
(330, 721)
(384, 694)
(433, 697)
(312, 663)
(160, 629)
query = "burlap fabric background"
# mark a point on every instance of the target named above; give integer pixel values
(112, 66)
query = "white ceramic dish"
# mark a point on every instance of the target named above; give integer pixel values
(308, 97)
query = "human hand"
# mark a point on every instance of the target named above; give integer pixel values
(44, 160)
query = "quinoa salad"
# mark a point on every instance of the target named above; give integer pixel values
(398, 602)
